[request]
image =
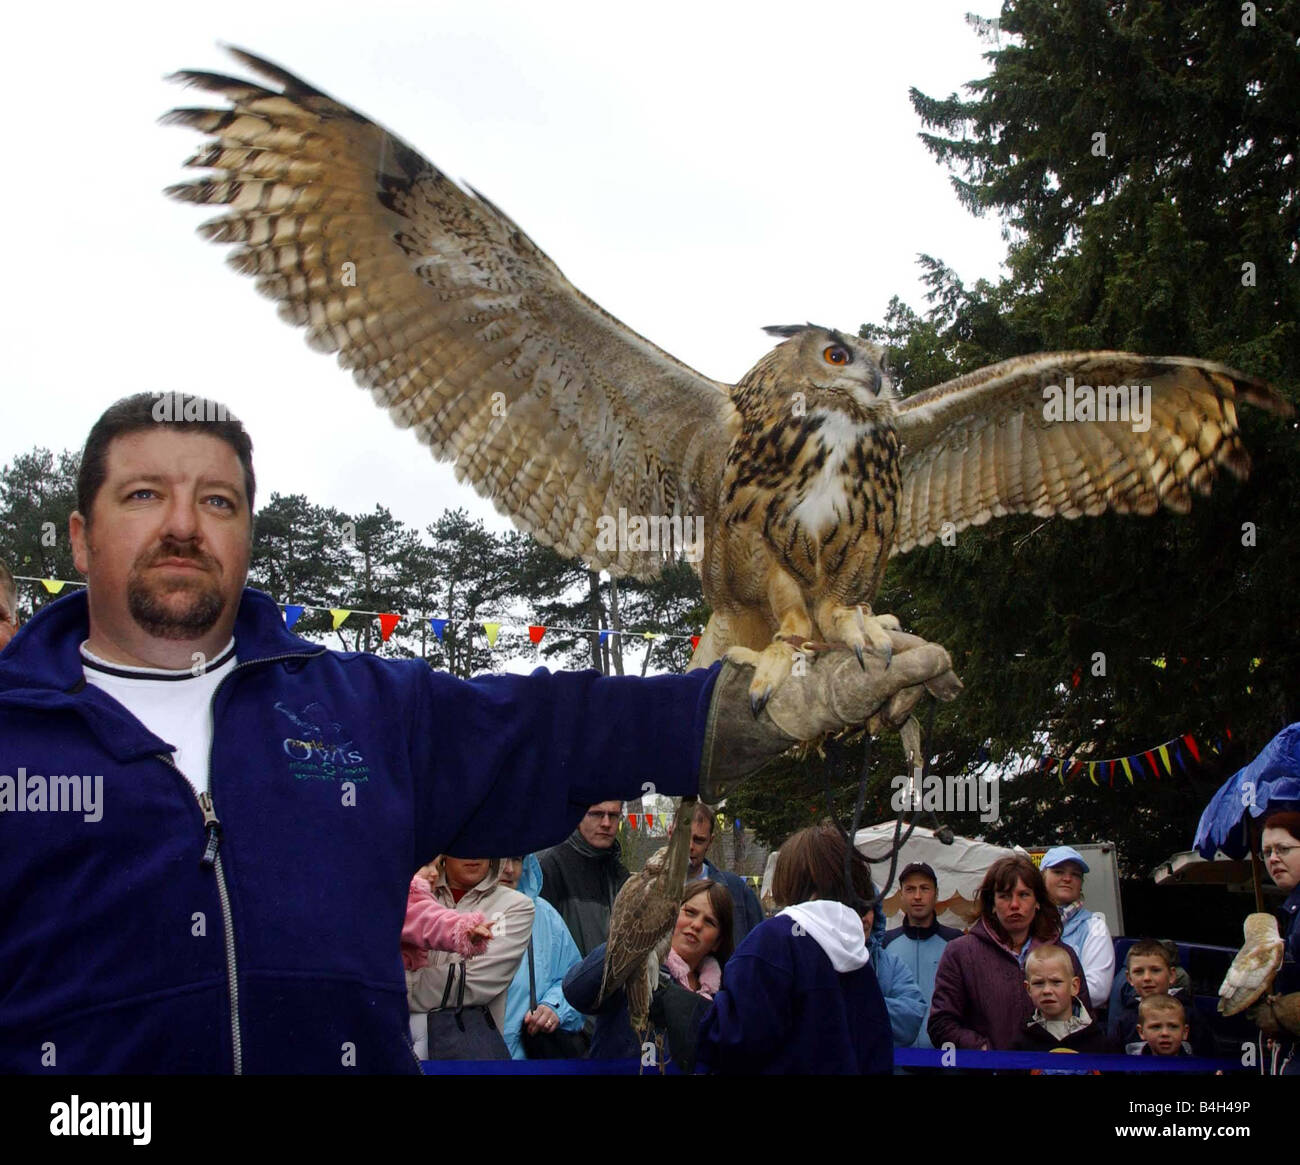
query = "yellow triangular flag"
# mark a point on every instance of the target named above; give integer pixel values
(1128, 771)
(1164, 756)
(649, 635)
(492, 629)
(1092, 771)
(53, 585)
(339, 614)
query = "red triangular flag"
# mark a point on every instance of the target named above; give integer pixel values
(386, 625)
(1191, 747)
(535, 633)
(631, 820)
(695, 642)
(649, 820)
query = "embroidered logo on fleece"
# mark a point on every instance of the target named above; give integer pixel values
(321, 748)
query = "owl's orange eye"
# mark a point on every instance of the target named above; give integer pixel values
(836, 355)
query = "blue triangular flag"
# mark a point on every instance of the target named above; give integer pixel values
(438, 625)
(292, 613)
(603, 636)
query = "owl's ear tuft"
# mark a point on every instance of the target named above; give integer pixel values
(785, 331)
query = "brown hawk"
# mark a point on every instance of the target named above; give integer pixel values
(797, 483)
(643, 919)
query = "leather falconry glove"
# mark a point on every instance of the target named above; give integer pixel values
(836, 693)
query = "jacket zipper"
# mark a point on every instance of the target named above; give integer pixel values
(211, 858)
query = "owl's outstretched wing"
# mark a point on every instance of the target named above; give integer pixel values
(454, 319)
(983, 445)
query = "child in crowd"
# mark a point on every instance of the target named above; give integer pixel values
(1060, 1021)
(1162, 1026)
(1150, 971)
(431, 926)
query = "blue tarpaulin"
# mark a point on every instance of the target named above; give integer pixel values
(1269, 783)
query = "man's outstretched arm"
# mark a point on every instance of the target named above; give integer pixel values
(514, 761)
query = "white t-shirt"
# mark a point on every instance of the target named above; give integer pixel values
(174, 705)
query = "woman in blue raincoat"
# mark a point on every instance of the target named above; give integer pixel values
(554, 952)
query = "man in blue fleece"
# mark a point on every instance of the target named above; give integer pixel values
(208, 825)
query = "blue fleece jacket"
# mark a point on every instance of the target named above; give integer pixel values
(919, 950)
(784, 1010)
(906, 1005)
(554, 952)
(149, 940)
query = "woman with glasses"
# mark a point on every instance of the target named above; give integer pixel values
(1280, 849)
(1063, 869)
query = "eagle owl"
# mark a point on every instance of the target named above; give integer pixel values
(806, 475)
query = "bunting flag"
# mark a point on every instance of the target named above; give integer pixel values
(631, 820)
(386, 624)
(649, 820)
(295, 611)
(1158, 761)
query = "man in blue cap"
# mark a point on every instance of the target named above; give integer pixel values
(1063, 869)
(919, 942)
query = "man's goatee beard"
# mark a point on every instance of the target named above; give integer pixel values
(157, 618)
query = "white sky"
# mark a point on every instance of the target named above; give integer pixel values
(700, 169)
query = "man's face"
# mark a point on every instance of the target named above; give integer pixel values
(1052, 986)
(701, 839)
(167, 546)
(8, 616)
(599, 826)
(1150, 975)
(1064, 883)
(1283, 860)
(1164, 1031)
(919, 897)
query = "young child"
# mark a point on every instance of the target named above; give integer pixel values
(1151, 972)
(1060, 1022)
(1162, 1025)
(431, 926)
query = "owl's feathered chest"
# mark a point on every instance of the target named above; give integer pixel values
(822, 489)
(811, 471)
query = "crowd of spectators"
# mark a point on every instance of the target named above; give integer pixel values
(819, 987)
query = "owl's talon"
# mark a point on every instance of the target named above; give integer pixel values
(862, 659)
(758, 703)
